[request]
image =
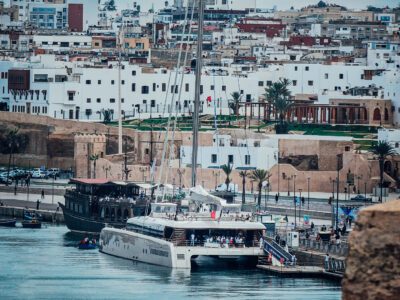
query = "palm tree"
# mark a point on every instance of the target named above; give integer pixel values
(259, 176)
(277, 90)
(244, 174)
(227, 170)
(382, 150)
(12, 142)
(94, 158)
(234, 103)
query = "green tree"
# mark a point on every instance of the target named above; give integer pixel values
(234, 103)
(227, 170)
(107, 115)
(94, 158)
(382, 150)
(259, 176)
(12, 141)
(278, 96)
(244, 174)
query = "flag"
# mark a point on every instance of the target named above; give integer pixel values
(209, 99)
(213, 215)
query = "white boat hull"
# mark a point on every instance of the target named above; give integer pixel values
(139, 247)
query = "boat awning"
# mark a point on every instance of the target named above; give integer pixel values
(89, 180)
(146, 186)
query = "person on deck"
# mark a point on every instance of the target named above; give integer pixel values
(42, 194)
(37, 204)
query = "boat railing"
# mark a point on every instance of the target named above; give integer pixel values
(205, 244)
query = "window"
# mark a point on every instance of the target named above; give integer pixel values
(310, 83)
(122, 82)
(347, 148)
(187, 87)
(71, 96)
(230, 159)
(326, 75)
(261, 83)
(224, 88)
(88, 82)
(307, 68)
(88, 100)
(294, 82)
(98, 100)
(201, 89)
(98, 81)
(247, 159)
(296, 68)
(154, 87)
(112, 81)
(153, 103)
(163, 87)
(211, 87)
(269, 82)
(133, 73)
(112, 100)
(214, 158)
(145, 89)
(133, 87)
(340, 76)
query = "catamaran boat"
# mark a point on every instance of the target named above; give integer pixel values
(171, 238)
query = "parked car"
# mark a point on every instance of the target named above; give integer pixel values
(232, 187)
(53, 172)
(3, 179)
(39, 174)
(361, 198)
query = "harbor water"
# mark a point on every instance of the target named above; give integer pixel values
(46, 264)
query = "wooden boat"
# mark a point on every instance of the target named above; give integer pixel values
(8, 222)
(31, 224)
(30, 215)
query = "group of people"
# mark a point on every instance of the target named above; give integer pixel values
(226, 240)
(87, 241)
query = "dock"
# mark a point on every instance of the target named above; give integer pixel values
(300, 271)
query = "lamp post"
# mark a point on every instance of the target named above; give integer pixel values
(300, 190)
(337, 191)
(294, 200)
(288, 189)
(365, 189)
(308, 190)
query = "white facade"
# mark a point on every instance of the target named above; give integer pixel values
(392, 136)
(241, 153)
(62, 42)
(143, 91)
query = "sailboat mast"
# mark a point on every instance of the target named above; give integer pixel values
(121, 32)
(196, 109)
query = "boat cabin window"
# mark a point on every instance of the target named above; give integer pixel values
(169, 208)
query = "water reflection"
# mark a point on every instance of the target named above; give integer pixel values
(46, 264)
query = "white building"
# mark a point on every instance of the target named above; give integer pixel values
(240, 152)
(392, 136)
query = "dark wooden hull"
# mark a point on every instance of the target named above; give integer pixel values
(31, 225)
(8, 223)
(81, 224)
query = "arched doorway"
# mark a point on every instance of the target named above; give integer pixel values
(377, 114)
(386, 114)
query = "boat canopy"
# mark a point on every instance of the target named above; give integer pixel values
(161, 223)
(199, 194)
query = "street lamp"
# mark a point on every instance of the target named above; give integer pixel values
(300, 190)
(337, 191)
(288, 189)
(294, 200)
(308, 190)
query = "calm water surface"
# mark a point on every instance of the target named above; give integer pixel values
(45, 264)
